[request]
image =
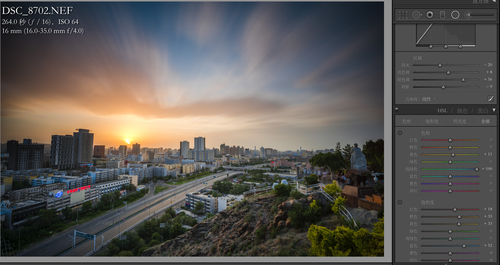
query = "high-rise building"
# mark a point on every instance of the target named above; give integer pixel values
(223, 148)
(24, 156)
(210, 155)
(136, 149)
(184, 149)
(83, 141)
(99, 151)
(151, 155)
(199, 149)
(122, 150)
(61, 152)
(262, 152)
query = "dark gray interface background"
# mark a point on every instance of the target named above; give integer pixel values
(445, 132)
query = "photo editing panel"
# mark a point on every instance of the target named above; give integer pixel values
(445, 132)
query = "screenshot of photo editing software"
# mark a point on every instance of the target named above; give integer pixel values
(243, 132)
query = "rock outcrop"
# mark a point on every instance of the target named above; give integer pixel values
(230, 230)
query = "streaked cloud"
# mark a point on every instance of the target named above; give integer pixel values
(201, 68)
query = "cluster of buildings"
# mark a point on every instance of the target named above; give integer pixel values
(77, 171)
(211, 204)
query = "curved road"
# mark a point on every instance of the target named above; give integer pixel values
(55, 246)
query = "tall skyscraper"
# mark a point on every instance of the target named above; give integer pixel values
(83, 142)
(61, 152)
(122, 150)
(262, 152)
(24, 156)
(184, 148)
(223, 148)
(199, 149)
(136, 149)
(99, 151)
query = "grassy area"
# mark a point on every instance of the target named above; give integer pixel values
(159, 189)
(179, 182)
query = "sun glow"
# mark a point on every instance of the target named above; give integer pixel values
(128, 141)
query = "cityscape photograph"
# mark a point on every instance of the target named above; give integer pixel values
(183, 129)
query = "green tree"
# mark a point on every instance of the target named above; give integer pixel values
(312, 179)
(333, 190)
(156, 236)
(346, 153)
(238, 189)
(199, 207)
(338, 148)
(282, 190)
(209, 215)
(125, 253)
(67, 212)
(113, 249)
(170, 211)
(344, 241)
(223, 186)
(374, 153)
(175, 230)
(87, 206)
(333, 161)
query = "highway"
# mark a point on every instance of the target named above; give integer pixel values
(58, 246)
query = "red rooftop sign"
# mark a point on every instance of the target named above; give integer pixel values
(79, 189)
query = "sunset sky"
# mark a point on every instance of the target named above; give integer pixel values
(278, 75)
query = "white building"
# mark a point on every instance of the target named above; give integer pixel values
(208, 201)
(136, 158)
(137, 165)
(199, 149)
(226, 201)
(210, 155)
(184, 148)
(111, 186)
(115, 164)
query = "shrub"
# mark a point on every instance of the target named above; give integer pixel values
(216, 228)
(312, 179)
(248, 218)
(344, 241)
(380, 214)
(275, 231)
(282, 190)
(284, 251)
(255, 251)
(213, 249)
(296, 216)
(333, 189)
(274, 210)
(340, 201)
(260, 233)
(296, 194)
(379, 188)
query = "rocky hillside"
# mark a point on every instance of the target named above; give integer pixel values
(257, 226)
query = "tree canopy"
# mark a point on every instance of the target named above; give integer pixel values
(333, 161)
(374, 153)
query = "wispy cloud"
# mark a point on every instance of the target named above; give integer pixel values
(209, 67)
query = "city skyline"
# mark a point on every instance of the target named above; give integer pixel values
(278, 75)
